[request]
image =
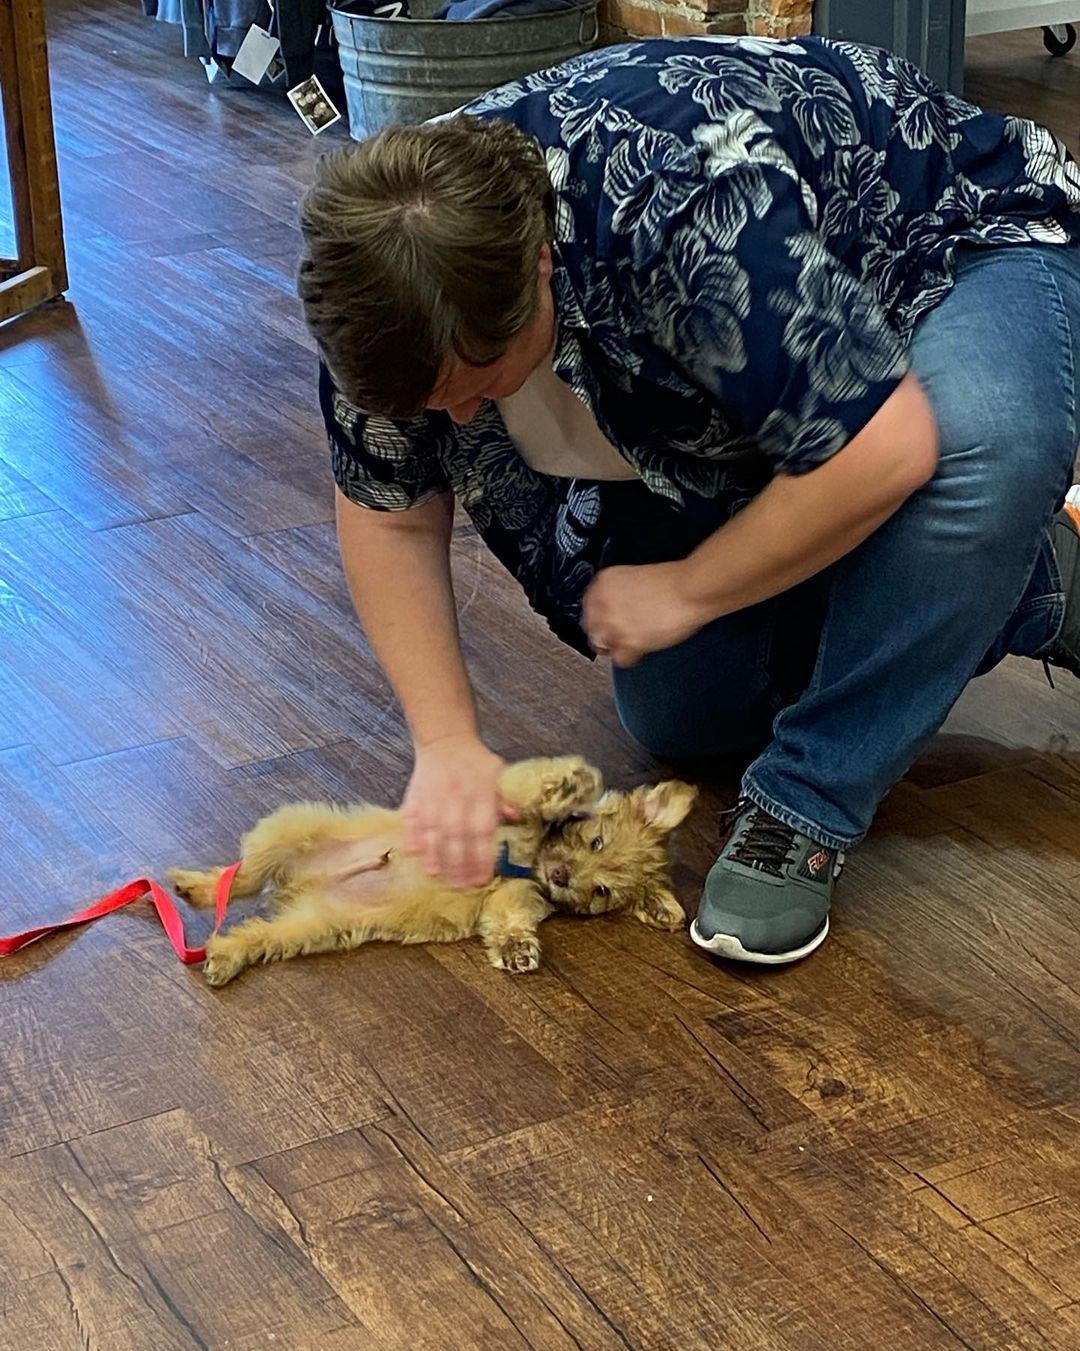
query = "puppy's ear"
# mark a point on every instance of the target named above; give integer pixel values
(660, 910)
(665, 805)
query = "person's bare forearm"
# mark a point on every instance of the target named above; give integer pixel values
(797, 527)
(398, 569)
(792, 530)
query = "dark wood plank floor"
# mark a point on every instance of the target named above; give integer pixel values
(407, 1149)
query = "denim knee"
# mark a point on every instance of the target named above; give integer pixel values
(718, 692)
(1005, 402)
(669, 724)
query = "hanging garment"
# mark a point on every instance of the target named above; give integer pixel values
(188, 14)
(298, 21)
(227, 23)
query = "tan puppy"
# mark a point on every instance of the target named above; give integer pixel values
(339, 876)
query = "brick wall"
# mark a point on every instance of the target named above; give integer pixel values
(677, 18)
(779, 18)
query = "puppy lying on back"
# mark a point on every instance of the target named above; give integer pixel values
(339, 877)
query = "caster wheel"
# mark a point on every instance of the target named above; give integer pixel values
(1059, 39)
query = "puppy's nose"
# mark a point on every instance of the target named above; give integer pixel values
(559, 875)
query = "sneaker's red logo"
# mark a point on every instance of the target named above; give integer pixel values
(817, 861)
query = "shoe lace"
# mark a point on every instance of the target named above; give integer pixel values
(767, 844)
(1060, 661)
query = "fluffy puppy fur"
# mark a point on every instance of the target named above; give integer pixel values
(339, 877)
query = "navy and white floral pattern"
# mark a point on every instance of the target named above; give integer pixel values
(746, 233)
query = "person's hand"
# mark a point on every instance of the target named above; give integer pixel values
(632, 611)
(452, 808)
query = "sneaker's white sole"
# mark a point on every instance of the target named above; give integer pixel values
(727, 945)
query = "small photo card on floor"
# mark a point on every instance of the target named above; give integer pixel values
(257, 51)
(312, 103)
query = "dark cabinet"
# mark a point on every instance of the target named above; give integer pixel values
(928, 32)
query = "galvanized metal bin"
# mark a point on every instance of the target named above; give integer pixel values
(407, 70)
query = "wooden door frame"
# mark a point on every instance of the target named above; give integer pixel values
(39, 270)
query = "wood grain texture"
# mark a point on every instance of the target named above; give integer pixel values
(634, 1148)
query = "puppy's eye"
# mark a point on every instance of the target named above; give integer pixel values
(597, 844)
(601, 892)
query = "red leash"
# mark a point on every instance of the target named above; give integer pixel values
(135, 891)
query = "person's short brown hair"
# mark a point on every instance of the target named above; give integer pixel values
(419, 243)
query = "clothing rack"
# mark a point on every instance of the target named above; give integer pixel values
(213, 30)
(38, 272)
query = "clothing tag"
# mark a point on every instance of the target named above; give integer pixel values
(313, 105)
(256, 52)
(212, 69)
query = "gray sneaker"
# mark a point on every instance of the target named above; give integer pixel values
(1065, 533)
(767, 896)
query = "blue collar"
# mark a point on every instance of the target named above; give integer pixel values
(504, 868)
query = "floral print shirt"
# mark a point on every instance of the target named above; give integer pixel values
(746, 233)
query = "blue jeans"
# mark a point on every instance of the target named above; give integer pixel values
(843, 680)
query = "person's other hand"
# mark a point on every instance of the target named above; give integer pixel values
(452, 808)
(631, 611)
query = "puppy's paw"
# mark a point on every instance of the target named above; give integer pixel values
(520, 954)
(551, 789)
(571, 786)
(660, 910)
(199, 888)
(221, 965)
